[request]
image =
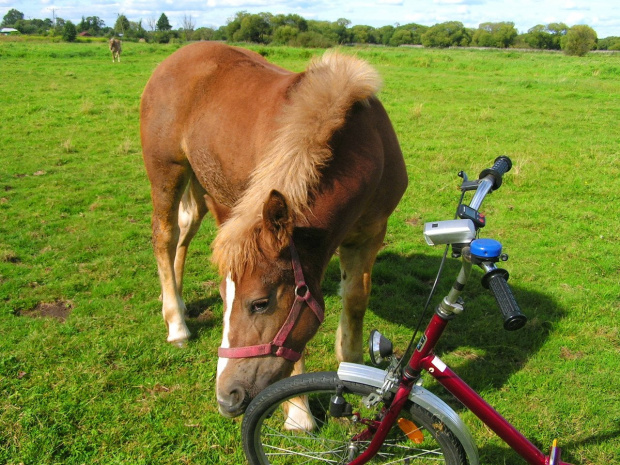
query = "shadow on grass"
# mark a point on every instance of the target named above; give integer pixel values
(200, 317)
(479, 349)
(490, 453)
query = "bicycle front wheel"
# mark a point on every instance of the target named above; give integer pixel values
(273, 435)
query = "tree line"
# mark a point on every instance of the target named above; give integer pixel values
(294, 30)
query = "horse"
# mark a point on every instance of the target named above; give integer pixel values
(293, 167)
(115, 48)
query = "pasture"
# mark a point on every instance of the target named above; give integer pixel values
(85, 373)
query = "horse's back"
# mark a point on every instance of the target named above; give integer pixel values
(204, 73)
(202, 95)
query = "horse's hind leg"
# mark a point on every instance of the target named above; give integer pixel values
(192, 210)
(167, 189)
(357, 257)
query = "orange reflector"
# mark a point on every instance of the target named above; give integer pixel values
(411, 430)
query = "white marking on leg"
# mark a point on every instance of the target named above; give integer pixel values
(298, 417)
(230, 297)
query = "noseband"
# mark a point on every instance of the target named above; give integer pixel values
(276, 347)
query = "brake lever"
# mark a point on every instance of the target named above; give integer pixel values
(468, 185)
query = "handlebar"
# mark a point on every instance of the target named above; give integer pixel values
(500, 167)
(490, 180)
(496, 282)
(485, 253)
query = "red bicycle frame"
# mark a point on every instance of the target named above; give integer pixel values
(423, 358)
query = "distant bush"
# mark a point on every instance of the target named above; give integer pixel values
(312, 39)
(579, 40)
(609, 43)
(69, 32)
(162, 37)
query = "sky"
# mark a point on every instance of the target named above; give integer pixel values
(602, 15)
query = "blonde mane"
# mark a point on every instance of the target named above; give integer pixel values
(317, 107)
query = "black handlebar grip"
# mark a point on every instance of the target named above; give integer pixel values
(496, 281)
(502, 165)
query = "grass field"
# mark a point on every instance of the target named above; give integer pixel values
(85, 373)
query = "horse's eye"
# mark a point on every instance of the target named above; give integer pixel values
(259, 306)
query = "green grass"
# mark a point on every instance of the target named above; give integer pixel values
(104, 387)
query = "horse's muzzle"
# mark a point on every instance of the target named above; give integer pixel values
(234, 403)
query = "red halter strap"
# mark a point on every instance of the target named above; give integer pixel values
(276, 347)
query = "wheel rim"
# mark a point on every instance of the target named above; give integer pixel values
(330, 442)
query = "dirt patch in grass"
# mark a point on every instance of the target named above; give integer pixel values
(58, 310)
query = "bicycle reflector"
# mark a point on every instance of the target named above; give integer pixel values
(411, 430)
(380, 347)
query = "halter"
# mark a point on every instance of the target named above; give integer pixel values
(276, 347)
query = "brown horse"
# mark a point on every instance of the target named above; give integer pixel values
(116, 49)
(293, 166)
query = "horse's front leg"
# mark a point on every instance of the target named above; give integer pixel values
(356, 261)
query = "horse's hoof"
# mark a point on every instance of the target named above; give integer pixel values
(179, 344)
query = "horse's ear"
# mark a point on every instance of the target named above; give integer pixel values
(277, 219)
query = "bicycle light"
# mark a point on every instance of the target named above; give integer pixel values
(449, 232)
(380, 347)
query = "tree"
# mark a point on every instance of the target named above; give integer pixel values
(203, 33)
(234, 24)
(136, 30)
(292, 20)
(69, 32)
(340, 28)
(312, 39)
(59, 29)
(609, 43)
(558, 31)
(253, 28)
(92, 24)
(500, 35)
(12, 17)
(363, 34)
(33, 26)
(163, 24)
(384, 34)
(449, 34)
(579, 40)
(284, 35)
(400, 37)
(416, 31)
(188, 27)
(152, 24)
(539, 37)
(122, 25)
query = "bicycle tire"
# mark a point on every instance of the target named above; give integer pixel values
(267, 442)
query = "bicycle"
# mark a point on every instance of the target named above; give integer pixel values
(361, 413)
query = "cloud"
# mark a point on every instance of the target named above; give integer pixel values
(459, 2)
(248, 3)
(573, 6)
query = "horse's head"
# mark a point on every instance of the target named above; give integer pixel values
(270, 312)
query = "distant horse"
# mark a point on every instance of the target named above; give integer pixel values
(115, 48)
(293, 166)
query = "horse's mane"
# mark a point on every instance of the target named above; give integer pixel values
(317, 106)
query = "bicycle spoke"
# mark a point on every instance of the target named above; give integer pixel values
(284, 440)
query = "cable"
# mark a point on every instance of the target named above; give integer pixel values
(407, 354)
